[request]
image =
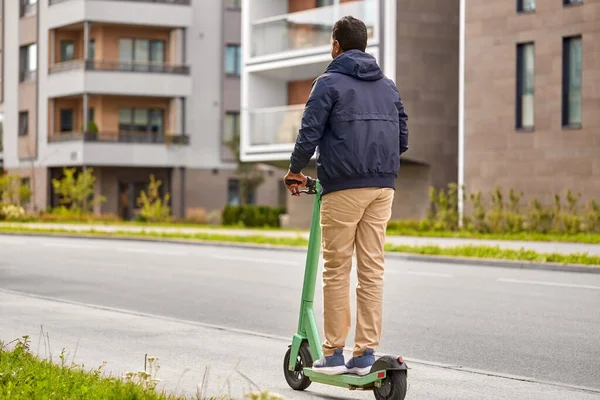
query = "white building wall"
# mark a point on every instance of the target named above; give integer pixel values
(11, 82)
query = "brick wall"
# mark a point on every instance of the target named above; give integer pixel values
(549, 159)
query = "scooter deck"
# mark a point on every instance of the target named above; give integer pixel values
(346, 380)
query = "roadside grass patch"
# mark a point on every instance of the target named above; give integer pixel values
(466, 251)
(24, 376)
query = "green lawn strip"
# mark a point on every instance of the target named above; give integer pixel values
(24, 376)
(468, 251)
(588, 238)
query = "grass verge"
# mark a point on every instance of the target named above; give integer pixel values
(469, 251)
(24, 376)
(588, 238)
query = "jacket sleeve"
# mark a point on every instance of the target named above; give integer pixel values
(403, 118)
(315, 116)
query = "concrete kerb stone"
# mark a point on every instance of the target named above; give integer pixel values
(479, 262)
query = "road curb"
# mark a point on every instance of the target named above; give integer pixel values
(480, 262)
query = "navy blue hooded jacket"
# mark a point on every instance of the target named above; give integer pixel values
(356, 118)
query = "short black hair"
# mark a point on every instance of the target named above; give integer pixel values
(351, 33)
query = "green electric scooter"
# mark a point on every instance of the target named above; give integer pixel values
(388, 376)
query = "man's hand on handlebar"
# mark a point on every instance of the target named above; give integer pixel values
(294, 181)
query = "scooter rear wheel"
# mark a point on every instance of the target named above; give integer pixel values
(296, 378)
(393, 386)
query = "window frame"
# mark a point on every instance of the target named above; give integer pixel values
(132, 124)
(25, 52)
(566, 83)
(226, 153)
(61, 123)
(521, 77)
(521, 7)
(23, 123)
(237, 58)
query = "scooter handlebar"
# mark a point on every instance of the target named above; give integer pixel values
(311, 185)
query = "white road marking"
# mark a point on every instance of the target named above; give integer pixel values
(149, 251)
(542, 283)
(256, 260)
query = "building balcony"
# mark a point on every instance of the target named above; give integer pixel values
(303, 32)
(115, 130)
(118, 59)
(167, 13)
(273, 101)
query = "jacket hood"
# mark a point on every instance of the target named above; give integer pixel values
(357, 64)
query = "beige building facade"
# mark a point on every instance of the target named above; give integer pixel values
(128, 88)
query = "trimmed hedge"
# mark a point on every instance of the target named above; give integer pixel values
(252, 216)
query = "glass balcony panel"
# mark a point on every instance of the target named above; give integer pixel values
(307, 29)
(277, 125)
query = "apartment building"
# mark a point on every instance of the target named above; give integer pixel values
(286, 45)
(128, 88)
(532, 96)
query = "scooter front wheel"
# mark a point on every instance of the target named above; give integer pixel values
(296, 378)
(393, 386)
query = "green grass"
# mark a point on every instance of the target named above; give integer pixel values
(589, 238)
(24, 376)
(469, 251)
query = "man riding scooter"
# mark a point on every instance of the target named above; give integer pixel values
(356, 118)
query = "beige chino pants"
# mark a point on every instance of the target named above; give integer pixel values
(354, 218)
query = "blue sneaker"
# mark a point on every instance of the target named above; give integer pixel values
(361, 365)
(332, 365)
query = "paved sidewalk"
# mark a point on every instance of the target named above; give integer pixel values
(186, 350)
(541, 247)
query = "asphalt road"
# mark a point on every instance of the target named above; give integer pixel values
(538, 324)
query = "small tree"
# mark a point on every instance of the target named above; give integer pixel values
(153, 208)
(77, 190)
(13, 191)
(250, 177)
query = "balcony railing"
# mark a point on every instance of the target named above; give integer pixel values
(307, 29)
(122, 66)
(177, 2)
(276, 125)
(121, 137)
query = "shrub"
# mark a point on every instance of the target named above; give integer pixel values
(252, 216)
(11, 212)
(64, 214)
(76, 190)
(153, 208)
(505, 214)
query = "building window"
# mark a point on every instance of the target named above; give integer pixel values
(23, 123)
(234, 194)
(233, 4)
(231, 131)
(233, 59)
(27, 62)
(525, 86)
(92, 50)
(571, 82)
(141, 120)
(138, 54)
(67, 50)
(572, 2)
(324, 3)
(66, 120)
(525, 5)
(28, 7)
